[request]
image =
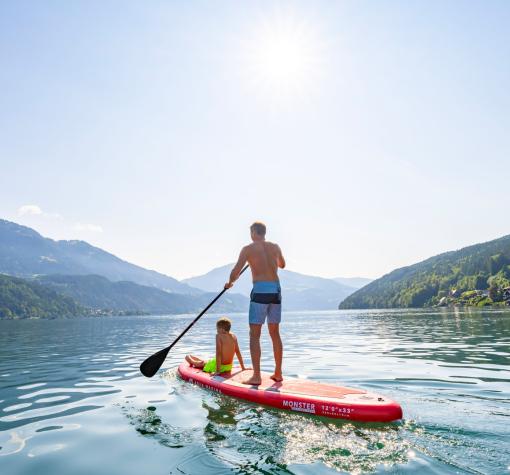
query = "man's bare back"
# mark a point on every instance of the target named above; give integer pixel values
(264, 258)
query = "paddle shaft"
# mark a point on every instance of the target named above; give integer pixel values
(152, 364)
(202, 313)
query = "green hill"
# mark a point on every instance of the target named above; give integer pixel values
(449, 278)
(23, 299)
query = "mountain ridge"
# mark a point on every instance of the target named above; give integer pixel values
(300, 291)
(99, 293)
(26, 253)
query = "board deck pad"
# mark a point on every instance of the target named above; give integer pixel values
(292, 386)
(300, 395)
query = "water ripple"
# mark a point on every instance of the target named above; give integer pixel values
(71, 395)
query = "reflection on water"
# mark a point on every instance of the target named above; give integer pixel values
(244, 435)
(147, 422)
(72, 399)
(255, 439)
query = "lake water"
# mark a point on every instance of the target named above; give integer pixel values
(73, 402)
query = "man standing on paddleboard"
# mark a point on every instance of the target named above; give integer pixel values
(264, 259)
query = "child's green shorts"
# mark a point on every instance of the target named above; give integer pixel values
(210, 367)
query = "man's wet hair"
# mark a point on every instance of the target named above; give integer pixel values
(258, 228)
(224, 323)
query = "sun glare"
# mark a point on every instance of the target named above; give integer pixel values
(283, 56)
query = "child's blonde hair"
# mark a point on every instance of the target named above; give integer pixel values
(224, 323)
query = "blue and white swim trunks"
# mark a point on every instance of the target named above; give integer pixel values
(265, 301)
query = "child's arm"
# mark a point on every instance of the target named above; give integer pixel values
(239, 356)
(218, 354)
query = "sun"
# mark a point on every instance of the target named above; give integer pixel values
(283, 56)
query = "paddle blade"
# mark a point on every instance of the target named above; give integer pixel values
(151, 365)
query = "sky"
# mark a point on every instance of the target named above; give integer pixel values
(366, 135)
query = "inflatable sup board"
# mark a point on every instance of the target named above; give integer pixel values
(299, 395)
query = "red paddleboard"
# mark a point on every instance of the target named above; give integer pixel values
(299, 395)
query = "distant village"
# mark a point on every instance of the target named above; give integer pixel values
(479, 298)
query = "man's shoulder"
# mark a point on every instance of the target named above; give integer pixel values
(249, 247)
(255, 247)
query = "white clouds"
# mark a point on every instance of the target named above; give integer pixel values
(29, 209)
(92, 228)
(32, 212)
(36, 210)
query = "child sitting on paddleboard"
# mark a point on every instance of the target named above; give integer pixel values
(226, 347)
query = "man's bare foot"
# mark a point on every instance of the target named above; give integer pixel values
(276, 377)
(253, 381)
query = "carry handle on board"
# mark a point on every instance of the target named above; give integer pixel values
(152, 364)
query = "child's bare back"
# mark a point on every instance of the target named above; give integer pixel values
(227, 347)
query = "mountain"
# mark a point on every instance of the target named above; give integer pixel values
(22, 299)
(300, 292)
(354, 282)
(99, 293)
(25, 253)
(441, 279)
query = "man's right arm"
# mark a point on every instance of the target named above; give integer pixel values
(237, 268)
(281, 260)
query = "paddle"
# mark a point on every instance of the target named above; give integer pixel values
(151, 365)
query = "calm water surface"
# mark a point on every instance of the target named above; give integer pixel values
(73, 402)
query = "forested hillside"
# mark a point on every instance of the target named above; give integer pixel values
(22, 299)
(449, 278)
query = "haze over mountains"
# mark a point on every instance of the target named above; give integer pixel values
(98, 293)
(356, 282)
(98, 280)
(92, 278)
(25, 253)
(300, 292)
(77, 275)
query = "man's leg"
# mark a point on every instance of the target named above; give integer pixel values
(255, 330)
(274, 332)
